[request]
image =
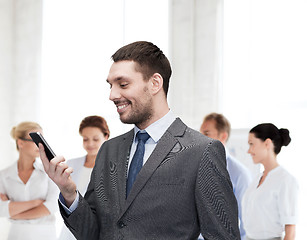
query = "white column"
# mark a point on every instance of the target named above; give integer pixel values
(20, 64)
(6, 80)
(20, 47)
(196, 29)
(27, 59)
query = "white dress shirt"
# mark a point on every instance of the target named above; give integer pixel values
(155, 131)
(268, 208)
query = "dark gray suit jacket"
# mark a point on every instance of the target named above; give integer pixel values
(183, 189)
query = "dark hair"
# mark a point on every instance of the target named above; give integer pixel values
(149, 58)
(95, 121)
(279, 137)
(221, 123)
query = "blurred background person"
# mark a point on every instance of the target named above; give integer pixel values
(217, 126)
(270, 203)
(28, 196)
(95, 131)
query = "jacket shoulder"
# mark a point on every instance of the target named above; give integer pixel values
(119, 138)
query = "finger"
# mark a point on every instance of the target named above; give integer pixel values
(68, 171)
(60, 167)
(3, 197)
(55, 162)
(64, 179)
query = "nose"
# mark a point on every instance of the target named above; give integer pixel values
(90, 143)
(114, 93)
(249, 150)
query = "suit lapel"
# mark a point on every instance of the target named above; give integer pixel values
(123, 158)
(164, 146)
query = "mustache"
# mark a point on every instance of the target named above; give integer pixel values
(116, 102)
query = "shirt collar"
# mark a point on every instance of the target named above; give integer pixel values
(12, 171)
(159, 127)
(226, 152)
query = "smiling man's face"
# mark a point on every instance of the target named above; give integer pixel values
(130, 93)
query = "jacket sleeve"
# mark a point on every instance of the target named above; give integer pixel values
(216, 204)
(82, 222)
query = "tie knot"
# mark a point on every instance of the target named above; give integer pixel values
(142, 136)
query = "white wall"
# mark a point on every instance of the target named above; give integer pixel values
(195, 43)
(6, 50)
(20, 62)
(20, 47)
(6, 74)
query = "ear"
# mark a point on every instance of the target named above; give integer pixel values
(156, 83)
(223, 137)
(19, 143)
(268, 143)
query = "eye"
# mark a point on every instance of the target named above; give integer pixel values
(123, 84)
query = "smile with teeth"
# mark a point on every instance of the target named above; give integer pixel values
(122, 106)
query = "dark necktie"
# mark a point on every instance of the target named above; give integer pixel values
(137, 160)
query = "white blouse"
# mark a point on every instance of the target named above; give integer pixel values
(39, 186)
(84, 179)
(81, 175)
(268, 208)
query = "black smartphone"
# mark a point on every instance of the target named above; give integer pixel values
(37, 137)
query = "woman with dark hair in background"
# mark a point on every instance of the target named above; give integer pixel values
(269, 205)
(27, 196)
(94, 131)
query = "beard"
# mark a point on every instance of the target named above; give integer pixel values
(139, 114)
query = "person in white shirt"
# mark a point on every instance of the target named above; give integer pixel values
(27, 196)
(269, 205)
(94, 131)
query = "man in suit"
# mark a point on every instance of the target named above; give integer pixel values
(182, 187)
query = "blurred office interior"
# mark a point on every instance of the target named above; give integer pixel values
(243, 58)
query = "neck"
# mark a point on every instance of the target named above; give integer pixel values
(157, 114)
(90, 161)
(270, 164)
(25, 163)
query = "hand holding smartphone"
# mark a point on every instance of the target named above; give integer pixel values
(37, 137)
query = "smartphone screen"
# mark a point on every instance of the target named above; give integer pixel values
(37, 137)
